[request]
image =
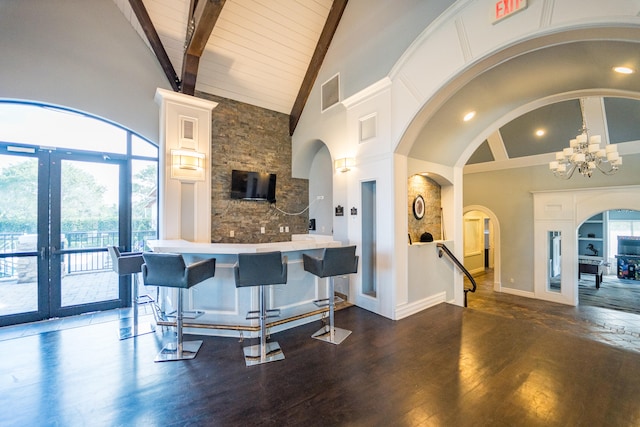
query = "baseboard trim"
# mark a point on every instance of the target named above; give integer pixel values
(406, 310)
(518, 292)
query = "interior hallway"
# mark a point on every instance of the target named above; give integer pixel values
(505, 360)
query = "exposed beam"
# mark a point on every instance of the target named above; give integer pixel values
(156, 44)
(201, 25)
(333, 19)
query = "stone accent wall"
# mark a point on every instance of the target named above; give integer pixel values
(432, 220)
(250, 138)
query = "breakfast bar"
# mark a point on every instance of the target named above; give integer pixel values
(222, 307)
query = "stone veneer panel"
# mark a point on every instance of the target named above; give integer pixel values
(432, 220)
(246, 137)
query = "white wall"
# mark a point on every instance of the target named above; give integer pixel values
(81, 54)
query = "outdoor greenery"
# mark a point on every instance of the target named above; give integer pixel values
(83, 203)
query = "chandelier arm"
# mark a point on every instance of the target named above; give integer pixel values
(612, 170)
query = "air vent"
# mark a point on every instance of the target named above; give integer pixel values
(331, 92)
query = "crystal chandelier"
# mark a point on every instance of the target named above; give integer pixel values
(585, 154)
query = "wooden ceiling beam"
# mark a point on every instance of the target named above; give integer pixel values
(330, 26)
(204, 18)
(156, 44)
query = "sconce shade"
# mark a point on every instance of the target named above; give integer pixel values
(187, 165)
(344, 164)
(184, 159)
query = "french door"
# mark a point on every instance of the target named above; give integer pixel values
(59, 209)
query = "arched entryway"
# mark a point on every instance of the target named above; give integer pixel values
(608, 260)
(489, 228)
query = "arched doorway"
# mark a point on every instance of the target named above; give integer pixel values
(70, 184)
(488, 234)
(321, 192)
(608, 260)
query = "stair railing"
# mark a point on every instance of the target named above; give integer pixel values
(443, 249)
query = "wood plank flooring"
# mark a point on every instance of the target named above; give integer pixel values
(445, 366)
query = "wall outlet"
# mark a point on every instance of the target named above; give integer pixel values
(286, 229)
(262, 230)
(320, 198)
(281, 229)
(232, 233)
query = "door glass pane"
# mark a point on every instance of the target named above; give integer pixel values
(18, 233)
(144, 203)
(88, 219)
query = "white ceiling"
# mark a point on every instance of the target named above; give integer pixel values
(258, 52)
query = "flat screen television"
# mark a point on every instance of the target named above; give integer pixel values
(253, 186)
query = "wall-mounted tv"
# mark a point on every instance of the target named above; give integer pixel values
(253, 186)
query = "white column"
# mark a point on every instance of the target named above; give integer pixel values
(184, 193)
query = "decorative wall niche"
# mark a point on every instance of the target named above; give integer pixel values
(368, 127)
(431, 220)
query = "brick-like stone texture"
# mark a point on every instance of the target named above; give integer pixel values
(432, 220)
(250, 138)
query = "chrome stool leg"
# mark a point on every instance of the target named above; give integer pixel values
(179, 350)
(330, 333)
(133, 330)
(265, 351)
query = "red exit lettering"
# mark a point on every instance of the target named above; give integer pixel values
(505, 8)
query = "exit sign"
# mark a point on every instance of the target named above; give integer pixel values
(506, 8)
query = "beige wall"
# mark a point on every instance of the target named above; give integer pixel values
(474, 244)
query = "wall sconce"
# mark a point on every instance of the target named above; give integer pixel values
(187, 165)
(344, 164)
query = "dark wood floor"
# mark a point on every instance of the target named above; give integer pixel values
(446, 366)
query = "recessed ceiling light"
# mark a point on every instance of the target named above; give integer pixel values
(470, 115)
(623, 70)
(540, 132)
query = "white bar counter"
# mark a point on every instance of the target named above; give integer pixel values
(225, 306)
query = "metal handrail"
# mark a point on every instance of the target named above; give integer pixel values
(442, 249)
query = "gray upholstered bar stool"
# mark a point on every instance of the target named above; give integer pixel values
(170, 270)
(130, 263)
(334, 262)
(261, 269)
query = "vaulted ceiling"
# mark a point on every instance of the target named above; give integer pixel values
(261, 52)
(268, 53)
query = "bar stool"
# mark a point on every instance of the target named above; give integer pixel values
(334, 262)
(170, 270)
(130, 263)
(261, 269)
